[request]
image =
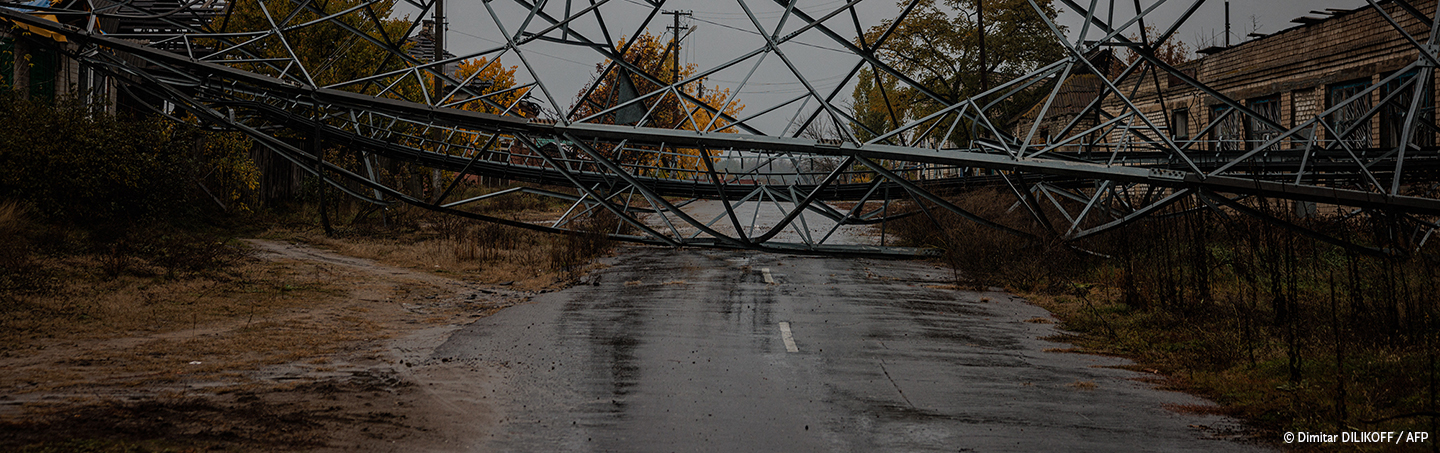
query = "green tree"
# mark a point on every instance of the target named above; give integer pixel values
(938, 47)
(877, 103)
(75, 166)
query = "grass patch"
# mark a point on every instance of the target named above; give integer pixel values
(125, 324)
(1288, 333)
(481, 252)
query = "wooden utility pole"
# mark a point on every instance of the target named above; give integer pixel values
(438, 33)
(675, 59)
(675, 43)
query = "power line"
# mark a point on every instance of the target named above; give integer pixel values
(758, 34)
(819, 80)
(770, 14)
(526, 51)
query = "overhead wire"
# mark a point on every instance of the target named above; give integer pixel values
(770, 14)
(803, 43)
(529, 51)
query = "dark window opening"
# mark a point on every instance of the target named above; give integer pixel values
(1392, 114)
(1228, 135)
(1180, 124)
(1348, 117)
(1261, 132)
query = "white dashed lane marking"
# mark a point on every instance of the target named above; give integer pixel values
(789, 338)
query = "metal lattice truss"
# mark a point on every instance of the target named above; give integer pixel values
(1078, 181)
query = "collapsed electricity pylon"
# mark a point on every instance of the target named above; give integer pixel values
(1082, 178)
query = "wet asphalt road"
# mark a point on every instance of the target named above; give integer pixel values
(685, 350)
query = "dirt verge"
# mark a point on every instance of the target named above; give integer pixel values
(344, 369)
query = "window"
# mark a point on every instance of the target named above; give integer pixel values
(1229, 132)
(1348, 117)
(35, 77)
(44, 67)
(1392, 114)
(1180, 124)
(1269, 108)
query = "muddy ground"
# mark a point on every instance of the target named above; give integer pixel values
(370, 390)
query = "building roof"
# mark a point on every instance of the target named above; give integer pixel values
(423, 44)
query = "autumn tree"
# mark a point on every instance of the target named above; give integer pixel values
(937, 46)
(327, 53)
(336, 53)
(614, 85)
(1173, 52)
(491, 84)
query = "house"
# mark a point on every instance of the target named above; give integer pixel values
(33, 65)
(421, 47)
(46, 71)
(1075, 94)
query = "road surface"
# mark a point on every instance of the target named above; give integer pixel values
(710, 350)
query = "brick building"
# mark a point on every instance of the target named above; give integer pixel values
(1289, 77)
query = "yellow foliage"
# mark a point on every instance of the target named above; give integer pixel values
(493, 77)
(653, 58)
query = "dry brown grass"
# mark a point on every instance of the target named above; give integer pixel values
(89, 307)
(1196, 409)
(481, 252)
(148, 329)
(18, 271)
(144, 322)
(12, 218)
(521, 261)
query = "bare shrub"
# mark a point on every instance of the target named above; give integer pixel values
(465, 248)
(20, 272)
(591, 239)
(449, 227)
(15, 251)
(185, 251)
(983, 255)
(516, 202)
(114, 260)
(492, 242)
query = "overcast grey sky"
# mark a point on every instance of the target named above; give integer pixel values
(722, 32)
(1209, 21)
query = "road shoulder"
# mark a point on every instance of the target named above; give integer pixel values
(347, 369)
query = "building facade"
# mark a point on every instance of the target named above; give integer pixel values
(1288, 77)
